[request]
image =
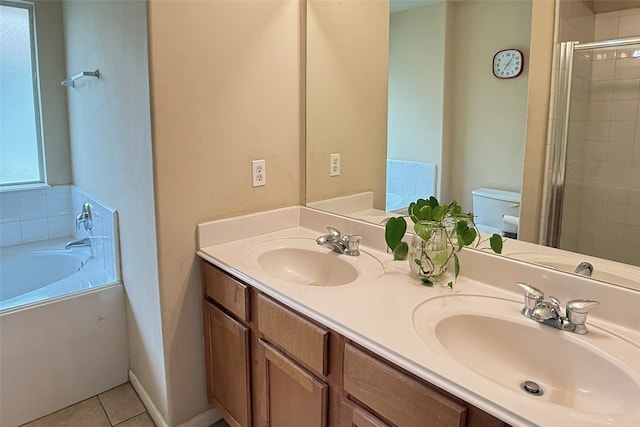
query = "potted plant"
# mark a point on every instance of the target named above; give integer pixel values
(440, 232)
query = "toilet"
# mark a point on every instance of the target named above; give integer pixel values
(496, 211)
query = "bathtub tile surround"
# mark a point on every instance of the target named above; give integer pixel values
(104, 231)
(35, 214)
(408, 181)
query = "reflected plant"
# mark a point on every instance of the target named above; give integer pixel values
(429, 218)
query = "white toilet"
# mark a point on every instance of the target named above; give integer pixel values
(496, 211)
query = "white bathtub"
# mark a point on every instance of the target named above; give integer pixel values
(62, 329)
(36, 272)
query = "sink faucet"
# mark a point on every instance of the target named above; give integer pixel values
(347, 245)
(80, 242)
(550, 313)
(584, 268)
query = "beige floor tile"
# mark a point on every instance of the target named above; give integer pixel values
(88, 413)
(121, 403)
(142, 420)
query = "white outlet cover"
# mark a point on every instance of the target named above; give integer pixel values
(258, 173)
(334, 164)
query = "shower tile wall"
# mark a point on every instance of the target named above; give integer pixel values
(602, 197)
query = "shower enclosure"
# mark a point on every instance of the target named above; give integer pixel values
(593, 174)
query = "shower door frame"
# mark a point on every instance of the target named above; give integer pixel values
(560, 132)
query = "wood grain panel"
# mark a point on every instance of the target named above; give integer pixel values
(294, 396)
(303, 340)
(396, 397)
(228, 365)
(228, 292)
(355, 416)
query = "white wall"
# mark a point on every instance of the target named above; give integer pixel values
(109, 123)
(53, 97)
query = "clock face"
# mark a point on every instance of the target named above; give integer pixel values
(508, 63)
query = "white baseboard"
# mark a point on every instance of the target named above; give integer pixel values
(204, 419)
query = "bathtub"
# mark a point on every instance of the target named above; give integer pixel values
(62, 329)
(37, 272)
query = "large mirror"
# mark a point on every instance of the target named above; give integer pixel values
(404, 92)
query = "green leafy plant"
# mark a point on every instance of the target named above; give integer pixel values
(428, 215)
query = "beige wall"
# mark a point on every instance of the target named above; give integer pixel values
(225, 88)
(489, 114)
(53, 97)
(541, 54)
(109, 123)
(347, 53)
(416, 84)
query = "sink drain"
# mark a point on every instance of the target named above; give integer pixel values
(531, 387)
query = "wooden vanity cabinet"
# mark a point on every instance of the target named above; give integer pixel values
(225, 311)
(268, 365)
(296, 365)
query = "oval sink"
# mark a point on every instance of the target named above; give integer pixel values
(301, 261)
(490, 337)
(307, 267)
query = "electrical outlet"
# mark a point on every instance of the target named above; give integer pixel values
(258, 173)
(334, 164)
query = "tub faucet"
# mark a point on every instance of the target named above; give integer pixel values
(584, 268)
(550, 313)
(347, 245)
(80, 242)
(85, 218)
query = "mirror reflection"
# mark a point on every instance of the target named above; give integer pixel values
(406, 95)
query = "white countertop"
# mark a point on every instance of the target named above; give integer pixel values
(377, 309)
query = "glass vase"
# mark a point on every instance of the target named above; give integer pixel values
(429, 254)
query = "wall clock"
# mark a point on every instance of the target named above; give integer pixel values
(508, 63)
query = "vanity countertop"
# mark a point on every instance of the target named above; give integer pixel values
(378, 309)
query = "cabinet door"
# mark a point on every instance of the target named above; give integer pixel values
(294, 396)
(227, 363)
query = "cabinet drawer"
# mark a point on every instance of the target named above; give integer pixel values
(299, 338)
(226, 291)
(396, 397)
(355, 416)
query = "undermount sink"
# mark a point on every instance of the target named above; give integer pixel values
(301, 261)
(597, 373)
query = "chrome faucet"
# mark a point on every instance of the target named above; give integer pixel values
(584, 268)
(80, 242)
(550, 313)
(85, 218)
(347, 245)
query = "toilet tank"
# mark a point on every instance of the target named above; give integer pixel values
(491, 205)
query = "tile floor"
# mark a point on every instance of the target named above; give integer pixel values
(119, 406)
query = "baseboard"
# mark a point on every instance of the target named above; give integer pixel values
(204, 419)
(155, 415)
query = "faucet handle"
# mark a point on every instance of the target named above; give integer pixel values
(352, 244)
(577, 312)
(532, 296)
(334, 232)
